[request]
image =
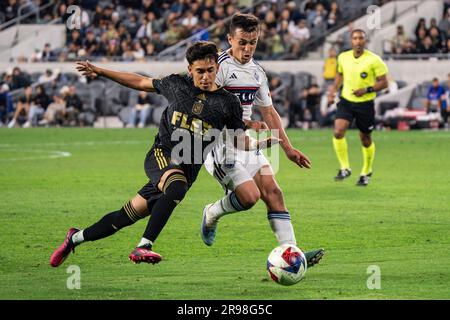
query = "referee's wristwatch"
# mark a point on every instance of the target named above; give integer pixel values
(370, 89)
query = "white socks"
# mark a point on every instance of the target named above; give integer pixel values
(78, 237)
(280, 222)
(228, 204)
(144, 242)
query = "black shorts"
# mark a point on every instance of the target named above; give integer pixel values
(362, 112)
(157, 162)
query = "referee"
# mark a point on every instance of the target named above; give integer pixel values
(361, 74)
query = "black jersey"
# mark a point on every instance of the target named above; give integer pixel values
(189, 119)
(194, 112)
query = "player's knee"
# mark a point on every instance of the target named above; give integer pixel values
(273, 194)
(366, 140)
(249, 197)
(176, 187)
(339, 134)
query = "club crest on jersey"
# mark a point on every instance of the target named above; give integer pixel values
(256, 76)
(197, 107)
(363, 75)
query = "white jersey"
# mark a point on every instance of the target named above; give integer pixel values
(230, 166)
(247, 81)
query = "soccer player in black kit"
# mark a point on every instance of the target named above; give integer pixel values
(196, 107)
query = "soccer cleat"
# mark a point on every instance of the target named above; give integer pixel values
(342, 174)
(314, 256)
(144, 254)
(59, 255)
(364, 180)
(208, 232)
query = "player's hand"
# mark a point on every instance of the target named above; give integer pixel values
(299, 158)
(360, 92)
(257, 125)
(87, 69)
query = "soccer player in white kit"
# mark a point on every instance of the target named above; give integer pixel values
(249, 176)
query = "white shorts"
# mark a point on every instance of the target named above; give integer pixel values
(230, 175)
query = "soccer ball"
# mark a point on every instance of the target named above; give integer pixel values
(286, 265)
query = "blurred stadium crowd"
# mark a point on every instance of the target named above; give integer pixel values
(125, 30)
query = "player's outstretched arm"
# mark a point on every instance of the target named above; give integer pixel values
(256, 125)
(127, 79)
(246, 143)
(273, 120)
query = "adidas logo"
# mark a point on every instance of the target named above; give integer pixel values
(233, 76)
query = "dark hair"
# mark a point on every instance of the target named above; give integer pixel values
(359, 30)
(202, 50)
(247, 22)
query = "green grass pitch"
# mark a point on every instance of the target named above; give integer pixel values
(399, 223)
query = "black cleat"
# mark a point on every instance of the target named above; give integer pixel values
(342, 174)
(314, 256)
(364, 180)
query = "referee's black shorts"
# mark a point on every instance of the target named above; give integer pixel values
(362, 112)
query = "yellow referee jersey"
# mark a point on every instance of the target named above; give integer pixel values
(359, 73)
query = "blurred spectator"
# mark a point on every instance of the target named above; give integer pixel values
(333, 16)
(330, 67)
(311, 110)
(190, 21)
(436, 39)
(445, 103)
(434, 96)
(38, 106)
(74, 107)
(47, 76)
(55, 111)
(270, 20)
(275, 46)
(446, 49)
(23, 107)
(90, 44)
(11, 9)
(142, 108)
(345, 40)
(410, 48)
(279, 94)
(327, 109)
(317, 19)
(444, 25)
(426, 46)
(19, 79)
(45, 55)
(299, 32)
(420, 25)
(399, 41)
(296, 110)
(6, 104)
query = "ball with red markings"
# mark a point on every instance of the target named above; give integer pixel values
(286, 265)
